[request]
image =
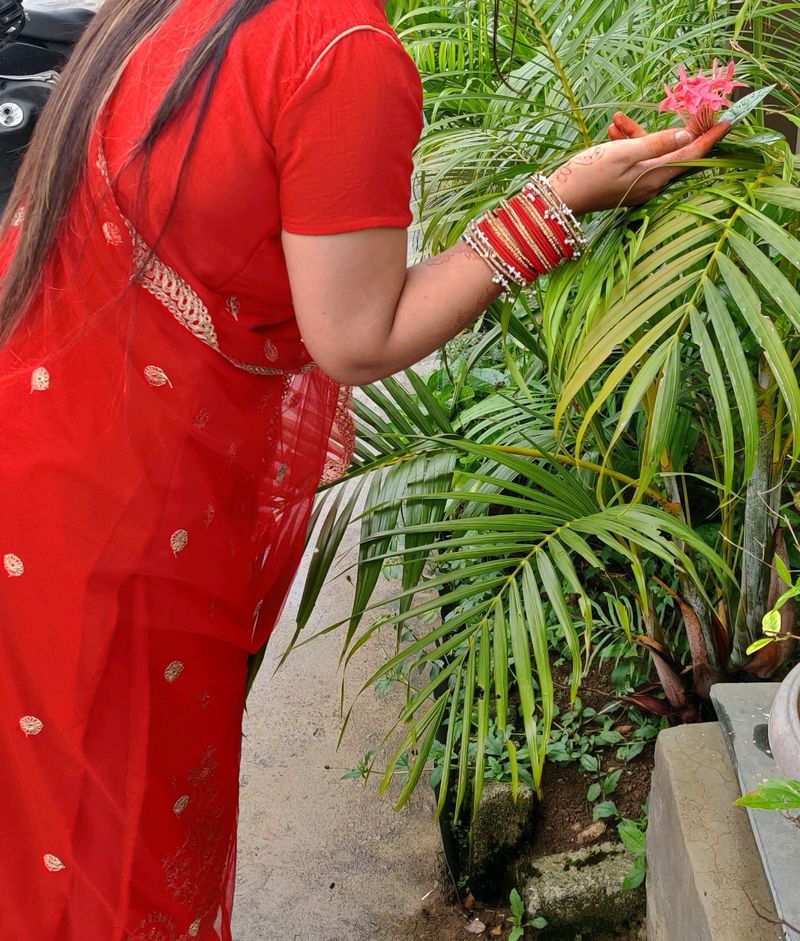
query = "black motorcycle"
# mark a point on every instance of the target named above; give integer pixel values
(34, 46)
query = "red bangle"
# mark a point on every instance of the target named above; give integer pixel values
(534, 231)
(502, 250)
(519, 238)
(543, 210)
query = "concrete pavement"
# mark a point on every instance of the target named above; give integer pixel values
(321, 858)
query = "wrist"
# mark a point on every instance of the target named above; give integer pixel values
(560, 185)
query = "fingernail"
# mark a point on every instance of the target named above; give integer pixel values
(683, 137)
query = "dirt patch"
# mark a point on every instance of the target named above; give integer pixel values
(564, 812)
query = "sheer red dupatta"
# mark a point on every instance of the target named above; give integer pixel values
(156, 482)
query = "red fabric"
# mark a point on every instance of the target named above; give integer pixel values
(162, 442)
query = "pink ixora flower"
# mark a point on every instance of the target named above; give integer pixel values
(698, 99)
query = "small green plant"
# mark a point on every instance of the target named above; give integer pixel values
(362, 770)
(634, 838)
(517, 918)
(601, 787)
(775, 794)
(771, 623)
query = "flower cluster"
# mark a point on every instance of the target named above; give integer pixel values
(699, 98)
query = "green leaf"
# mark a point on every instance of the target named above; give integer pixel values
(716, 380)
(782, 794)
(759, 644)
(636, 876)
(739, 110)
(633, 837)
(774, 282)
(590, 763)
(736, 363)
(771, 623)
(783, 570)
(516, 903)
(765, 333)
(611, 781)
(604, 810)
(593, 793)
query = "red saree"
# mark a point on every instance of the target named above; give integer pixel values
(162, 441)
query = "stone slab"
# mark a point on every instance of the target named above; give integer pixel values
(743, 710)
(582, 891)
(705, 881)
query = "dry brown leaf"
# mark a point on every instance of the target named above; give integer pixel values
(476, 927)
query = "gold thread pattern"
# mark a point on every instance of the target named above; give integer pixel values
(31, 725)
(13, 565)
(53, 863)
(173, 670)
(156, 376)
(179, 540)
(40, 380)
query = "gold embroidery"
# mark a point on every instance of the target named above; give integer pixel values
(203, 700)
(13, 565)
(343, 435)
(53, 863)
(282, 471)
(40, 380)
(177, 295)
(155, 927)
(112, 233)
(179, 540)
(194, 928)
(209, 515)
(156, 376)
(232, 306)
(194, 871)
(30, 725)
(270, 350)
(173, 670)
(202, 418)
(180, 805)
(267, 370)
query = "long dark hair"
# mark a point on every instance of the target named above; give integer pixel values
(57, 155)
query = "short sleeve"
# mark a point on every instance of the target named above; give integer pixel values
(344, 141)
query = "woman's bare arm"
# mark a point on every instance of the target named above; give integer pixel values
(364, 315)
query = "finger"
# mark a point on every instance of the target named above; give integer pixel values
(652, 146)
(614, 133)
(627, 126)
(696, 150)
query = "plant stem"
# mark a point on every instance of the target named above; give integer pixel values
(569, 91)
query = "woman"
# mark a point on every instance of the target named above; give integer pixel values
(216, 200)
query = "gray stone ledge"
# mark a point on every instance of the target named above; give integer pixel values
(705, 881)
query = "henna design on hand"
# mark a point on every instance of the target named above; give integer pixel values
(460, 248)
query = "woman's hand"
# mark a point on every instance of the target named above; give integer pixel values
(630, 168)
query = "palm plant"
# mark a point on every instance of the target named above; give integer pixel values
(646, 441)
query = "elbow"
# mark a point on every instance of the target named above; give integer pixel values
(358, 370)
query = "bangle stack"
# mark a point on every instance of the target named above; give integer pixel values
(526, 236)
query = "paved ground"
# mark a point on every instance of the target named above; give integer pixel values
(322, 859)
